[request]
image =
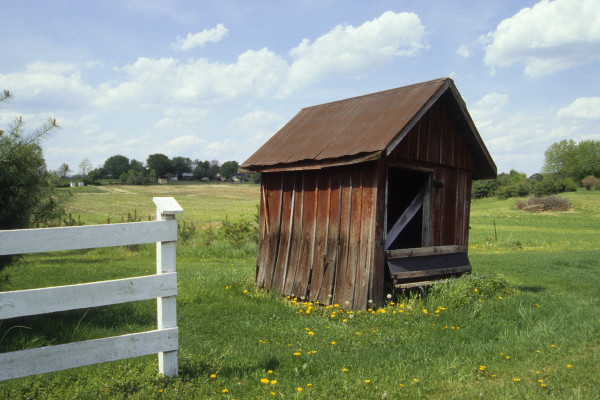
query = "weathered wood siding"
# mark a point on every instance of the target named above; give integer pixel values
(320, 235)
(434, 144)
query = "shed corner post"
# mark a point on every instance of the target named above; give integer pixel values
(166, 210)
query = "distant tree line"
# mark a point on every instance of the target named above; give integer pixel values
(160, 166)
(567, 166)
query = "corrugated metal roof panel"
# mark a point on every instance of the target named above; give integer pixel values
(343, 128)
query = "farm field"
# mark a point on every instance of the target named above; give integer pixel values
(529, 329)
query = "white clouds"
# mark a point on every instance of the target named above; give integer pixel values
(485, 109)
(350, 52)
(345, 52)
(464, 50)
(43, 82)
(549, 37)
(585, 108)
(200, 39)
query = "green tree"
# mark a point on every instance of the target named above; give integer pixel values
(213, 170)
(573, 160)
(201, 169)
(63, 170)
(115, 166)
(181, 165)
(160, 163)
(588, 159)
(27, 196)
(228, 170)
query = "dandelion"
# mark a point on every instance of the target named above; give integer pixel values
(296, 354)
(308, 384)
(367, 381)
(538, 372)
(264, 380)
(538, 351)
(213, 376)
(333, 343)
(569, 366)
(415, 380)
(270, 371)
(245, 291)
(517, 379)
(311, 333)
(224, 391)
(500, 297)
(543, 385)
(299, 389)
(160, 390)
(482, 367)
(344, 369)
(553, 345)
(508, 357)
(273, 382)
(476, 291)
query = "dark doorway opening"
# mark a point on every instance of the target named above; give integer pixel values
(404, 188)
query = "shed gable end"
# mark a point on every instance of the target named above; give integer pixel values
(435, 140)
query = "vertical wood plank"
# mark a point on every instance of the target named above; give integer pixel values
(438, 201)
(361, 290)
(275, 208)
(376, 281)
(467, 208)
(449, 206)
(423, 139)
(345, 223)
(284, 233)
(304, 265)
(263, 233)
(426, 237)
(296, 237)
(322, 225)
(332, 239)
(354, 243)
(434, 134)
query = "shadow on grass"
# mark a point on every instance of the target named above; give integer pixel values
(531, 289)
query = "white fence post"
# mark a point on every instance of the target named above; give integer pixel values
(166, 209)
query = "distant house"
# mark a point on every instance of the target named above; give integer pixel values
(187, 176)
(241, 176)
(367, 195)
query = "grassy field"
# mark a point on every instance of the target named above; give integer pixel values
(530, 330)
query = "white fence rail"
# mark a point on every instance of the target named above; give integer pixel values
(162, 286)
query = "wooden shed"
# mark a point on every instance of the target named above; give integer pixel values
(366, 194)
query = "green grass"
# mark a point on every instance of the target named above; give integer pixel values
(535, 317)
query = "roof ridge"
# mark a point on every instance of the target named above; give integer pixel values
(383, 92)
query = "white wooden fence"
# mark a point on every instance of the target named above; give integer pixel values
(162, 286)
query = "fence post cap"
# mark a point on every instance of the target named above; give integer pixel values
(167, 205)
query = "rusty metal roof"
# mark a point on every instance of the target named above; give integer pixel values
(355, 129)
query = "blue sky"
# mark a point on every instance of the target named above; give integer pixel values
(215, 79)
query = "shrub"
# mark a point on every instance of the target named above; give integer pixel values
(550, 203)
(185, 231)
(483, 188)
(553, 184)
(589, 182)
